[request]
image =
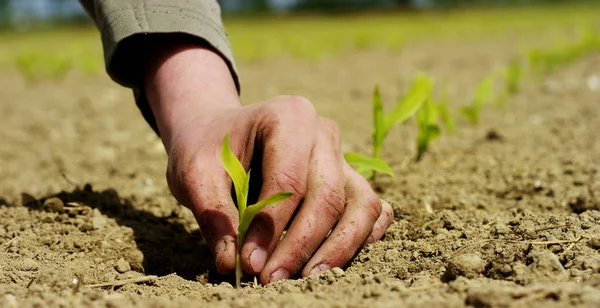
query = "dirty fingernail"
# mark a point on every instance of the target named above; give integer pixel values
(319, 269)
(258, 258)
(279, 274)
(223, 252)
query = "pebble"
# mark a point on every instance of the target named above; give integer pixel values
(467, 265)
(54, 205)
(122, 266)
(338, 272)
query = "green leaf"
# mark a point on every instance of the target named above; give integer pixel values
(252, 210)
(368, 163)
(446, 117)
(471, 113)
(378, 122)
(428, 128)
(425, 137)
(237, 173)
(412, 101)
(483, 92)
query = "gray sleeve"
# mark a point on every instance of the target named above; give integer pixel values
(126, 28)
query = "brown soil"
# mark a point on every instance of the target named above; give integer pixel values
(500, 215)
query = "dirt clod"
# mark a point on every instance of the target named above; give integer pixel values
(467, 265)
(595, 243)
(54, 205)
(122, 266)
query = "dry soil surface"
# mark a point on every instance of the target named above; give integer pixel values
(500, 215)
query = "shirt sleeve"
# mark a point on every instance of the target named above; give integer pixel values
(124, 26)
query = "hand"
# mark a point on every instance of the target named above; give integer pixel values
(295, 150)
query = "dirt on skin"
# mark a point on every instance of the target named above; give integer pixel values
(500, 215)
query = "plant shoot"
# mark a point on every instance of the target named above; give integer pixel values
(241, 183)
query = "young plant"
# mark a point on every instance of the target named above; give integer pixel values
(512, 77)
(445, 115)
(429, 130)
(406, 107)
(241, 182)
(483, 93)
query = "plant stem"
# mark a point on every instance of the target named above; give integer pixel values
(238, 259)
(238, 271)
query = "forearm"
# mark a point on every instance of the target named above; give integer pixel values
(185, 79)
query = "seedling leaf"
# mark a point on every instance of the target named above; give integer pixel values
(428, 128)
(237, 173)
(241, 183)
(446, 117)
(412, 101)
(252, 210)
(483, 91)
(378, 123)
(368, 164)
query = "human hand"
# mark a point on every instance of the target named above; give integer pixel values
(334, 210)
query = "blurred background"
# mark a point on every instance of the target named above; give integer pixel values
(30, 13)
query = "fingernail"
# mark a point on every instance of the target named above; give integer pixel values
(258, 258)
(279, 274)
(221, 247)
(319, 269)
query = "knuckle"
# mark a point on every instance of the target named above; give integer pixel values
(331, 204)
(285, 181)
(330, 126)
(299, 105)
(372, 207)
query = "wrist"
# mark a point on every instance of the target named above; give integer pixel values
(185, 81)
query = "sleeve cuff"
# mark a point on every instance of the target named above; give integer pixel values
(124, 57)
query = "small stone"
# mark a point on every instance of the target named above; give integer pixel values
(594, 242)
(226, 285)
(467, 265)
(54, 205)
(122, 266)
(338, 272)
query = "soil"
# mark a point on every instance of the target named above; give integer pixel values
(505, 214)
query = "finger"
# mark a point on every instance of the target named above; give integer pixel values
(287, 137)
(382, 224)
(205, 188)
(321, 209)
(362, 211)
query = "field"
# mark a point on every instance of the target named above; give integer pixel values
(501, 214)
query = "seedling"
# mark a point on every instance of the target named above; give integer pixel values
(544, 61)
(512, 76)
(482, 95)
(445, 115)
(241, 183)
(406, 107)
(428, 128)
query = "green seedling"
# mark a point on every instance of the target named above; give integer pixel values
(370, 164)
(445, 115)
(429, 130)
(406, 107)
(512, 77)
(483, 93)
(544, 61)
(241, 183)
(34, 66)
